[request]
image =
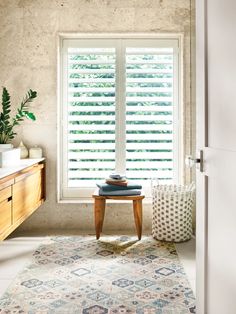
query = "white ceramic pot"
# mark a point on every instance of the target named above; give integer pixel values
(5, 146)
(9, 157)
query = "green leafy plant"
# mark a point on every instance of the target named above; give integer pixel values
(8, 123)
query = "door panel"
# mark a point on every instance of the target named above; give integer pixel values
(201, 243)
(221, 262)
(201, 140)
(216, 193)
(221, 156)
(221, 47)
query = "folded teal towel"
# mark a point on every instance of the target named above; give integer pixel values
(119, 193)
(110, 187)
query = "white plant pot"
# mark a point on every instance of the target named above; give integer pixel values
(5, 146)
(9, 157)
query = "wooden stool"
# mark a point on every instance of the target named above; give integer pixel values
(99, 210)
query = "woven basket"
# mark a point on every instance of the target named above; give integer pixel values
(172, 212)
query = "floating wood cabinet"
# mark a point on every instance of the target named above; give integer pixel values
(5, 209)
(21, 194)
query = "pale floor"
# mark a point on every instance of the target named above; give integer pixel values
(16, 252)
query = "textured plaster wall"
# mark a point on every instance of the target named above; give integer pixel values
(28, 49)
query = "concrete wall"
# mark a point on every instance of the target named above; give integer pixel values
(28, 49)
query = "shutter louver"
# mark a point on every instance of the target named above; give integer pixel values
(149, 113)
(91, 115)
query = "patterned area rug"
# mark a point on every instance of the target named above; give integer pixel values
(113, 275)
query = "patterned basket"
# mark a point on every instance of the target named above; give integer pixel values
(172, 212)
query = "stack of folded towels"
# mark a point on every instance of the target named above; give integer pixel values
(118, 185)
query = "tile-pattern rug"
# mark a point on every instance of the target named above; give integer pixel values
(78, 274)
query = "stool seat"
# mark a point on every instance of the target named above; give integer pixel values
(100, 204)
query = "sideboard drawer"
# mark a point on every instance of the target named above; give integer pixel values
(27, 195)
(5, 193)
(5, 215)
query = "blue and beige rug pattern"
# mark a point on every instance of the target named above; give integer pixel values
(78, 274)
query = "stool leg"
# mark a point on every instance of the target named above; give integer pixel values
(137, 208)
(99, 210)
(102, 205)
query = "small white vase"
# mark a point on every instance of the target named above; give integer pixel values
(24, 153)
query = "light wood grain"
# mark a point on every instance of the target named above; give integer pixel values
(5, 182)
(28, 172)
(5, 215)
(26, 193)
(5, 194)
(138, 216)
(20, 195)
(102, 212)
(99, 210)
(19, 221)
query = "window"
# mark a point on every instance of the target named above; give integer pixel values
(119, 112)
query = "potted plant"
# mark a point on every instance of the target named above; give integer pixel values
(8, 123)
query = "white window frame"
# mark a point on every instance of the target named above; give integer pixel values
(73, 196)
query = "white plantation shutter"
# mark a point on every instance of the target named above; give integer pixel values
(91, 115)
(119, 112)
(149, 113)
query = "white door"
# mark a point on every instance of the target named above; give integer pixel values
(216, 136)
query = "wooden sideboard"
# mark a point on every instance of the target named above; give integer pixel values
(21, 193)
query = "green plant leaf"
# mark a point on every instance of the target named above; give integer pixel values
(32, 93)
(31, 116)
(5, 106)
(7, 125)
